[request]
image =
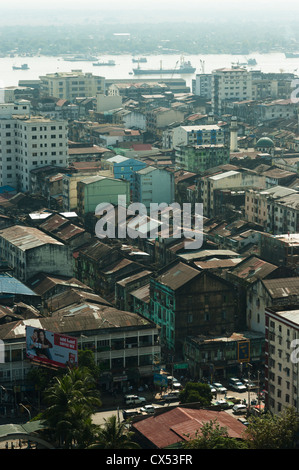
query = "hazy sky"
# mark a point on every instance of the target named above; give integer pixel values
(143, 10)
(241, 5)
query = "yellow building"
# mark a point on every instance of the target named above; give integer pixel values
(71, 85)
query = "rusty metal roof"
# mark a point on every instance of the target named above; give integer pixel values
(76, 319)
(252, 269)
(74, 296)
(41, 283)
(26, 238)
(134, 277)
(177, 276)
(283, 287)
(173, 426)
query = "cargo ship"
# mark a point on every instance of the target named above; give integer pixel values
(141, 59)
(110, 62)
(80, 58)
(184, 67)
(22, 67)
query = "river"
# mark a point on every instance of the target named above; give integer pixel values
(41, 65)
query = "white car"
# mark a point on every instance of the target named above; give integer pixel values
(148, 409)
(219, 387)
(213, 389)
(239, 387)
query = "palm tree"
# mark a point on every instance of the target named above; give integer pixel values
(71, 401)
(114, 435)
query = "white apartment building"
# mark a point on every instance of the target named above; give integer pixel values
(71, 85)
(230, 84)
(278, 109)
(202, 85)
(209, 134)
(283, 215)
(281, 359)
(28, 142)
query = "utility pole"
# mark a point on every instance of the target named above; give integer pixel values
(249, 374)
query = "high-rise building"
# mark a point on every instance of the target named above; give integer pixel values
(28, 142)
(230, 84)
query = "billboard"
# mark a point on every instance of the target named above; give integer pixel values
(244, 351)
(51, 348)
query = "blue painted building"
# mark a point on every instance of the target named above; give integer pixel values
(123, 167)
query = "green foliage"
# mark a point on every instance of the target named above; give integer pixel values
(213, 436)
(86, 360)
(273, 431)
(71, 400)
(114, 435)
(196, 392)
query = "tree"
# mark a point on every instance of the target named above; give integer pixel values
(196, 392)
(86, 360)
(114, 435)
(273, 431)
(71, 401)
(213, 436)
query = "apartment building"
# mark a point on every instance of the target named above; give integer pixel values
(281, 359)
(29, 142)
(257, 203)
(95, 190)
(202, 85)
(282, 250)
(240, 180)
(124, 344)
(27, 250)
(159, 118)
(72, 85)
(230, 84)
(209, 134)
(199, 158)
(153, 185)
(283, 215)
(278, 109)
(70, 182)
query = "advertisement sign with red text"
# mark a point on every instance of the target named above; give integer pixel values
(51, 348)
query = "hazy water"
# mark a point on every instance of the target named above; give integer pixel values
(275, 62)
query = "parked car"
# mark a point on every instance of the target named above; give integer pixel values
(239, 387)
(213, 389)
(171, 396)
(148, 409)
(134, 400)
(233, 380)
(239, 409)
(219, 387)
(234, 400)
(127, 414)
(224, 404)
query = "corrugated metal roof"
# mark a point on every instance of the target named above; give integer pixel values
(11, 285)
(177, 276)
(173, 426)
(283, 287)
(76, 319)
(252, 269)
(26, 238)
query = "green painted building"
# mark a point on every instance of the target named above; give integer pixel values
(95, 190)
(199, 158)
